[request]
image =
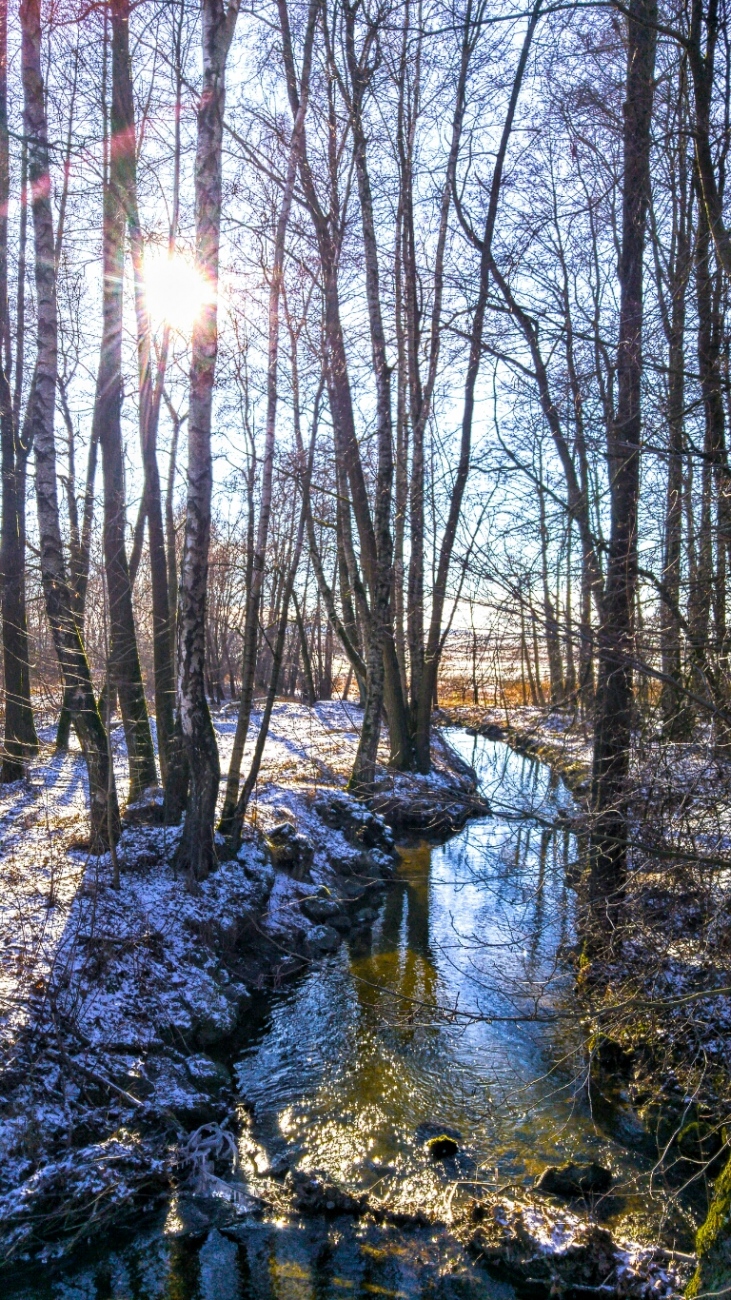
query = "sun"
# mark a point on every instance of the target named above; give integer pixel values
(176, 290)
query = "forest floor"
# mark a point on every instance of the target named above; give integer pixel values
(115, 1005)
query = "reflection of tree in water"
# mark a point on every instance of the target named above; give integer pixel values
(402, 962)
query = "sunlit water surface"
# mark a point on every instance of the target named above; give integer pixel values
(454, 1014)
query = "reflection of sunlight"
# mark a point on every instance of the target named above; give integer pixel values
(173, 1222)
(286, 1120)
(291, 1279)
(177, 292)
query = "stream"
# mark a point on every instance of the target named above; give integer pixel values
(453, 1015)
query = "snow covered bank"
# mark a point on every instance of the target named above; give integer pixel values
(116, 1006)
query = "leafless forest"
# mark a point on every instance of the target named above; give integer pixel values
(380, 353)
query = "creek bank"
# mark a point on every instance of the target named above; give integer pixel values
(658, 1008)
(548, 1252)
(433, 806)
(551, 737)
(125, 1046)
(543, 1250)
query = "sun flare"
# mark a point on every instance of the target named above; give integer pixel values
(176, 290)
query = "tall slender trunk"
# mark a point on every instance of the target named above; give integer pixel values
(570, 683)
(364, 766)
(288, 594)
(124, 657)
(551, 628)
(401, 485)
(253, 601)
(67, 639)
(613, 730)
(487, 268)
(422, 692)
(196, 849)
(20, 740)
(579, 497)
(677, 716)
(151, 381)
(341, 405)
(709, 346)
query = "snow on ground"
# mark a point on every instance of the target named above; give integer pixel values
(111, 999)
(44, 816)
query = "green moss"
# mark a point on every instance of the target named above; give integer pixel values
(713, 1244)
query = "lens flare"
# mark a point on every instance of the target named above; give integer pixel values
(176, 290)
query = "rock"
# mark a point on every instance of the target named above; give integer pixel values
(176, 1095)
(366, 916)
(256, 868)
(359, 825)
(312, 1194)
(353, 890)
(575, 1180)
(559, 1254)
(713, 1242)
(280, 1166)
(175, 1023)
(321, 909)
(700, 1146)
(341, 922)
(129, 1073)
(148, 810)
(442, 1147)
(373, 863)
(214, 1011)
(186, 1219)
(207, 1075)
(215, 1023)
(609, 1058)
(134, 858)
(323, 939)
(289, 850)
(237, 995)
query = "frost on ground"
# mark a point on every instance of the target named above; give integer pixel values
(565, 1254)
(111, 1002)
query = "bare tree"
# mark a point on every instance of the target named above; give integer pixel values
(66, 635)
(197, 851)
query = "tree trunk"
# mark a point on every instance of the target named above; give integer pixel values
(104, 815)
(197, 852)
(253, 601)
(124, 657)
(433, 647)
(150, 387)
(381, 652)
(676, 716)
(613, 731)
(552, 631)
(20, 740)
(309, 694)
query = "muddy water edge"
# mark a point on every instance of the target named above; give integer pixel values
(453, 1015)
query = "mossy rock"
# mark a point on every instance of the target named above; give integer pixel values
(713, 1244)
(610, 1060)
(442, 1147)
(700, 1142)
(575, 1180)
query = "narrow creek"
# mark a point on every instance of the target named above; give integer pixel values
(454, 1015)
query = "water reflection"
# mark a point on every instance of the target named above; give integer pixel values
(454, 1013)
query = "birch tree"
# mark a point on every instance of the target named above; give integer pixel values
(67, 637)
